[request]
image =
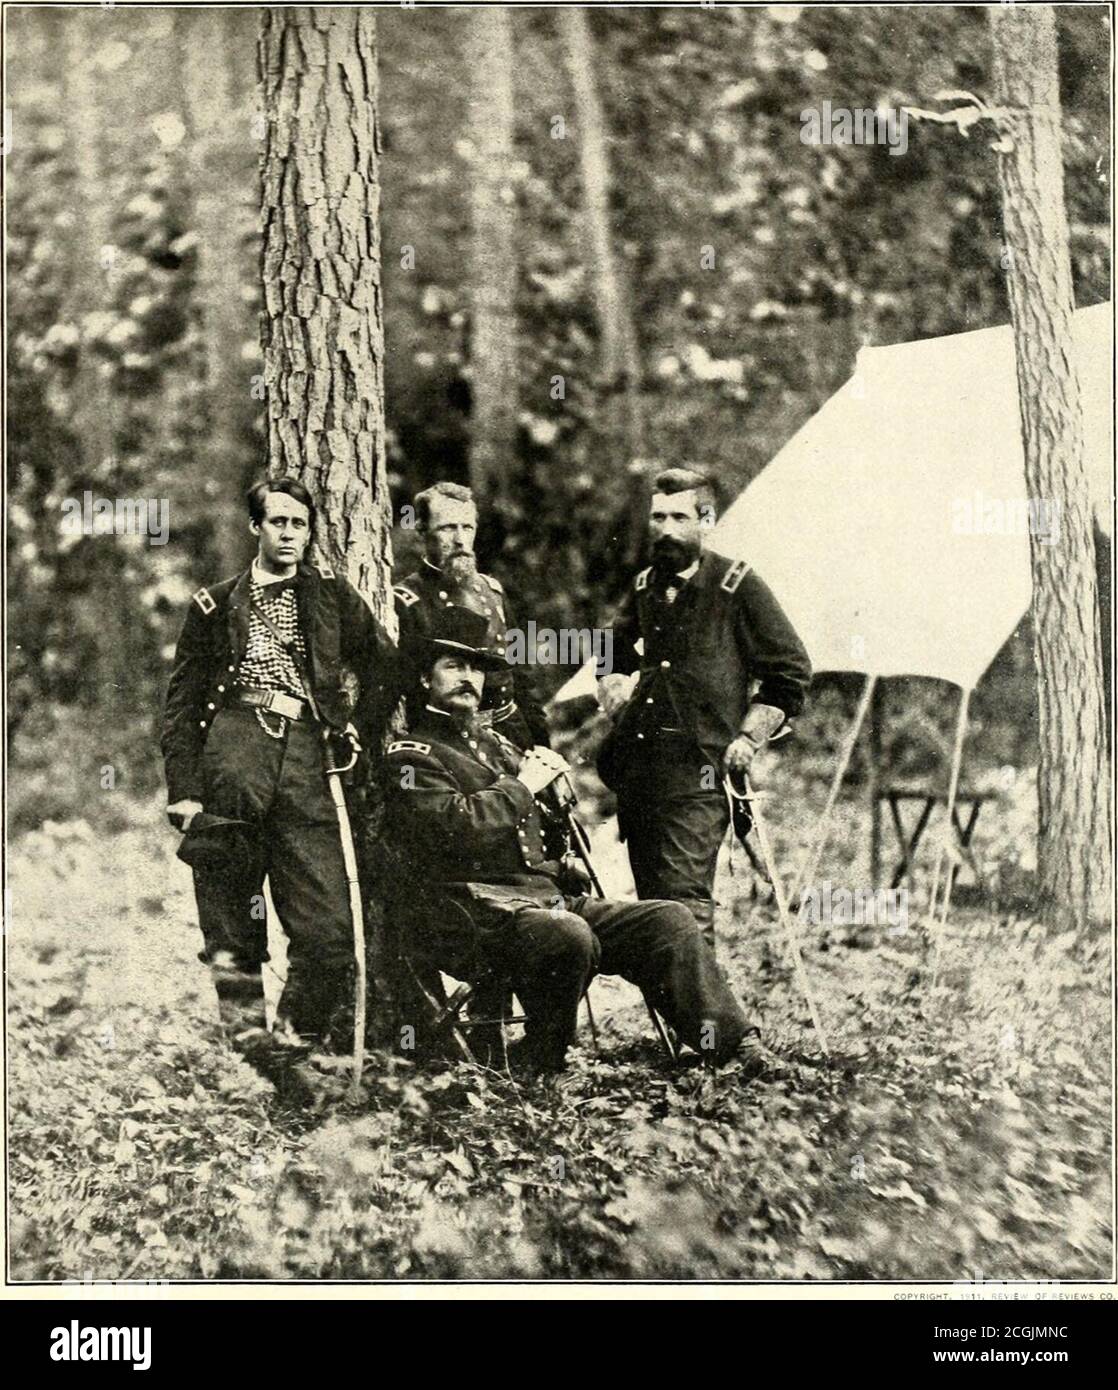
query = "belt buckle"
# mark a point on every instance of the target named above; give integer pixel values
(269, 701)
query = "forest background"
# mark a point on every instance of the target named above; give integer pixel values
(135, 146)
(960, 1129)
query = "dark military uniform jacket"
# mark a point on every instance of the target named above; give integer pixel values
(428, 588)
(464, 827)
(340, 632)
(721, 643)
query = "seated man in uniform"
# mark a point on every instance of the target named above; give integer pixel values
(475, 822)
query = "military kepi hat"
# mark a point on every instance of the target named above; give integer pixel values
(461, 631)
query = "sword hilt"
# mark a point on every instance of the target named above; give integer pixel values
(351, 737)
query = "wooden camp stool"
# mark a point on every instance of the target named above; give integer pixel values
(909, 840)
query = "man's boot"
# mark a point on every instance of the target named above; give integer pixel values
(240, 997)
(757, 1061)
(275, 1056)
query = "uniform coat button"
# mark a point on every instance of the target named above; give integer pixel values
(665, 665)
(221, 690)
(201, 723)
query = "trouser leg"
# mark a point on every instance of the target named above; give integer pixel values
(235, 936)
(490, 1002)
(674, 833)
(307, 874)
(702, 909)
(549, 956)
(239, 773)
(658, 947)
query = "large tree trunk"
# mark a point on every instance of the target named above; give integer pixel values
(620, 355)
(323, 326)
(493, 261)
(219, 145)
(1074, 846)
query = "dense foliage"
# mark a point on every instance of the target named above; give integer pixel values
(757, 264)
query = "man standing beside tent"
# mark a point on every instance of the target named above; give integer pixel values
(721, 671)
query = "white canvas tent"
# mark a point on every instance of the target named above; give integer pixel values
(894, 526)
(876, 524)
(890, 526)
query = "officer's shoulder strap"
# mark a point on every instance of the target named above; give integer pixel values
(494, 584)
(204, 599)
(405, 595)
(324, 570)
(408, 745)
(734, 575)
(642, 579)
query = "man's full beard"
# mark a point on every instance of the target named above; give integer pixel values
(460, 569)
(670, 557)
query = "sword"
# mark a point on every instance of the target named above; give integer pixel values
(746, 794)
(356, 911)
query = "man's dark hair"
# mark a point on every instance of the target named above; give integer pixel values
(291, 486)
(422, 501)
(673, 480)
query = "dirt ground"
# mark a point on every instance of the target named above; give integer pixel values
(958, 1131)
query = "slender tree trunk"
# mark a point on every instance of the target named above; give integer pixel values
(219, 146)
(1074, 847)
(620, 355)
(91, 262)
(493, 262)
(323, 326)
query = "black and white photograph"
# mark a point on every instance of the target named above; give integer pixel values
(558, 657)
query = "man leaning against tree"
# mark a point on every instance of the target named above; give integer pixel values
(258, 693)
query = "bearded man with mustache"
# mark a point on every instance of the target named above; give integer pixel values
(720, 672)
(446, 518)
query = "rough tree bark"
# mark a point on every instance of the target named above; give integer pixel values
(620, 355)
(1073, 859)
(493, 259)
(323, 327)
(219, 144)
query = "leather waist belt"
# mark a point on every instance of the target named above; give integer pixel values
(275, 701)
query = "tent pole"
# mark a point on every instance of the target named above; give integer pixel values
(873, 780)
(952, 790)
(814, 853)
